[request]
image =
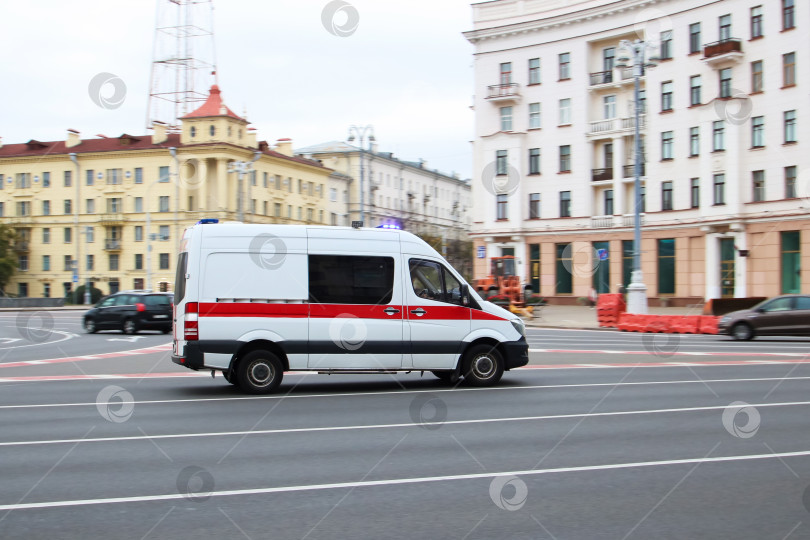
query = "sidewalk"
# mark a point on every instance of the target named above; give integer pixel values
(583, 317)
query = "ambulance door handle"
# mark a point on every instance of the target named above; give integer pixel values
(418, 312)
(391, 311)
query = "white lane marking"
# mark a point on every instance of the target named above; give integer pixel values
(389, 393)
(402, 481)
(359, 427)
(164, 347)
(65, 336)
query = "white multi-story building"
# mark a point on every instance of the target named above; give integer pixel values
(405, 194)
(726, 172)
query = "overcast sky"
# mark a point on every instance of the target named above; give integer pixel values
(406, 69)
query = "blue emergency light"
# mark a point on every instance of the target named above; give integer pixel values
(207, 220)
(389, 226)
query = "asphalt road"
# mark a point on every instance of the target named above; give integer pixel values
(675, 452)
(605, 435)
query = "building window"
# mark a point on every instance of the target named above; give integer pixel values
(502, 206)
(789, 69)
(506, 118)
(666, 266)
(790, 182)
(756, 22)
(725, 83)
(506, 73)
(565, 204)
(694, 38)
(68, 177)
(666, 195)
(90, 234)
(163, 232)
(138, 175)
(501, 162)
(163, 174)
(666, 96)
(46, 235)
(68, 262)
(788, 20)
(725, 27)
(139, 261)
(694, 141)
(22, 288)
(68, 206)
(534, 115)
(790, 127)
(565, 66)
(565, 111)
(694, 90)
(139, 204)
(608, 62)
(534, 206)
(694, 199)
(719, 189)
(112, 261)
(667, 139)
(758, 184)
(164, 261)
(791, 262)
(643, 199)
(23, 208)
(719, 138)
(534, 71)
(114, 205)
(163, 203)
(46, 179)
(46, 208)
(563, 265)
(23, 180)
(666, 45)
(609, 107)
(90, 206)
(68, 235)
(534, 161)
(91, 262)
(22, 264)
(114, 176)
(756, 76)
(565, 158)
(89, 177)
(608, 202)
(139, 233)
(46, 263)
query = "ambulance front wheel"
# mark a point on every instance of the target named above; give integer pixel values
(259, 372)
(483, 365)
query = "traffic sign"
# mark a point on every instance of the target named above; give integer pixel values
(603, 254)
(482, 252)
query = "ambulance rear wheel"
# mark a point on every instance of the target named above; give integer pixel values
(483, 365)
(259, 372)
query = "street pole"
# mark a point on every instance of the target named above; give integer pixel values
(360, 133)
(635, 53)
(78, 232)
(241, 168)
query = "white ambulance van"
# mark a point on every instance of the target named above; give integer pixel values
(254, 301)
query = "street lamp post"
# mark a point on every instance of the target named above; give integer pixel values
(241, 168)
(360, 133)
(635, 54)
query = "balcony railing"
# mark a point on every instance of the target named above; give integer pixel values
(629, 220)
(615, 124)
(630, 170)
(111, 217)
(601, 222)
(503, 92)
(601, 77)
(112, 245)
(730, 45)
(22, 247)
(601, 174)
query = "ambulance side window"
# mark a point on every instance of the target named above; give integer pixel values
(433, 281)
(347, 279)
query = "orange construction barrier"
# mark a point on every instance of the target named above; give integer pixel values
(708, 324)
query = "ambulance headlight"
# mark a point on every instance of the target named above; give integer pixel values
(520, 326)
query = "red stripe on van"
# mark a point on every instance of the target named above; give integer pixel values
(484, 316)
(361, 311)
(246, 309)
(441, 313)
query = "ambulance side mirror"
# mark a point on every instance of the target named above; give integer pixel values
(465, 296)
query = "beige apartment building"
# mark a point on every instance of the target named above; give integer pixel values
(119, 205)
(726, 168)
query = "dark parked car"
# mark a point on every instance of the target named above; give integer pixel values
(787, 315)
(131, 311)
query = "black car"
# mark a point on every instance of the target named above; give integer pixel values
(131, 311)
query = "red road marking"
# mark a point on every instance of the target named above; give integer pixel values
(676, 353)
(118, 354)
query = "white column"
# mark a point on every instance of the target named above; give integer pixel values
(591, 206)
(712, 268)
(740, 265)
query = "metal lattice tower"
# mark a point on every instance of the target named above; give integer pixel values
(183, 59)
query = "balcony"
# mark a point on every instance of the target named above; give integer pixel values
(112, 245)
(610, 77)
(615, 126)
(20, 221)
(500, 93)
(598, 175)
(723, 52)
(601, 222)
(22, 246)
(601, 77)
(629, 220)
(630, 170)
(111, 218)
